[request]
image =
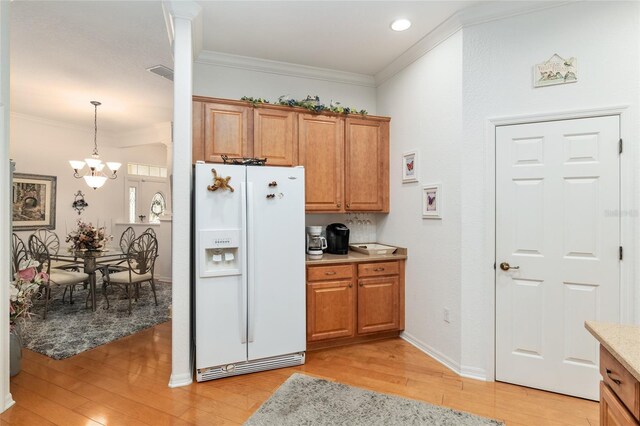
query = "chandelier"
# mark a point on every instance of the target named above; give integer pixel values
(94, 177)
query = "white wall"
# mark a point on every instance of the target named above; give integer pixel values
(425, 105)
(153, 154)
(498, 60)
(233, 83)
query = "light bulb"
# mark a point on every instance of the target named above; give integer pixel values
(113, 166)
(95, 181)
(76, 165)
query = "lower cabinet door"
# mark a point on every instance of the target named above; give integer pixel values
(330, 310)
(378, 304)
(612, 412)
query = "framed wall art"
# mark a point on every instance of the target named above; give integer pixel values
(410, 166)
(33, 202)
(432, 201)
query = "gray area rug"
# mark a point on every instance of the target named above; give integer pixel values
(71, 329)
(304, 400)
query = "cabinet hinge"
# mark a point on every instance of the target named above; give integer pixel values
(620, 252)
(620, 146)
(494, 266)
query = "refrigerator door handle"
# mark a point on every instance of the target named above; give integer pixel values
(251, 288)
(243, 289)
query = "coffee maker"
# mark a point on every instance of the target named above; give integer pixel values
(316, 243)
(337, 238)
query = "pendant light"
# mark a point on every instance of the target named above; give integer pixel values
(95, 177)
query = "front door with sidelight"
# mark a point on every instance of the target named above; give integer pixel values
(557, 250)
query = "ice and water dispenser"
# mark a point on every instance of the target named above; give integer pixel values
(219, 252)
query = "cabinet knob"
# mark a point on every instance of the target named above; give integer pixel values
(361, 284)
(339, 205)
(378, 269)
(350, 285)
(348, 205)
(330, 273)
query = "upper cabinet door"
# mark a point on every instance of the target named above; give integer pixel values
(321, 152)
(274, 136)
(367, 165)
(226, 131)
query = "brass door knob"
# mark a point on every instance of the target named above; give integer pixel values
(505, 266)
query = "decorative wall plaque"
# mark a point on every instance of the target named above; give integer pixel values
(556, 70)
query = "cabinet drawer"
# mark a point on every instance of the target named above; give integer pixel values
(378, 269)
(331, 272)
(621, 382)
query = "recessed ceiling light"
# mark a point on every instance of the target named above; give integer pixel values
(400, 24)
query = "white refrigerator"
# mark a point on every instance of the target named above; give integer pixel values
(249, 269)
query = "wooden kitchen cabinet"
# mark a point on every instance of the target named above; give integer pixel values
(366, 164)
(346, 157)
(223, 129)
(339, 315)
(331, 310)
(378, 308)
(275, 135)
(321, 152)
(619, 393)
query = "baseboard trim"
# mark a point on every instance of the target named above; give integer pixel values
(8, 402)
(463, 371)
(179, 380)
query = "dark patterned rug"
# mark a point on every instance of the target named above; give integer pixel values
(71, 329)
(304, 400)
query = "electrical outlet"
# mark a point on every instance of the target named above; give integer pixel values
(446, 315)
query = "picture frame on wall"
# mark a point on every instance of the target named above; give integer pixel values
(432, 201)
(33, 202)
(410, 166)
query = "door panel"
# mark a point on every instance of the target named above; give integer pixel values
(226, 131)
(378, 308)
(220, 301)
(276, 273)
(331, 307)
(321, 151)
(555, 181)
(274, 136)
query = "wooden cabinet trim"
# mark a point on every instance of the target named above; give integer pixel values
(198, 132)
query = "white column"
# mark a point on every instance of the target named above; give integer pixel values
(5, 222)
(182, 15)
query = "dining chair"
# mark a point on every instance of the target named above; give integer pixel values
(127, 238)
(19, 253)
(57, 277)
(151, 231)
(52, 241)
(141, 258)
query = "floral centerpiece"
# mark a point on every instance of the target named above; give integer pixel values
(88, 237)
(21, 291)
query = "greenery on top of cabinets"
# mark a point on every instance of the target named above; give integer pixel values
(311, 103)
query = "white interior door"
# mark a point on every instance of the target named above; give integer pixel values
(276, 264)
(557, 198)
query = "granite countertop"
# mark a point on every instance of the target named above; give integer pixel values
(621, 340)
(354, 256)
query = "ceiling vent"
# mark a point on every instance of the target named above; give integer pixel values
(162, 71)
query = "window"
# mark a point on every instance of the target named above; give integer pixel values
(146, 170)
(158, 205)
(132, 204)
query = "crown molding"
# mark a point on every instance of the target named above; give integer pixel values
(207, 57)
(464, 18)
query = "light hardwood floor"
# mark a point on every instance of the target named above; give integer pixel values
(125, 383)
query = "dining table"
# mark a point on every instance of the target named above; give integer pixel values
(92, 260)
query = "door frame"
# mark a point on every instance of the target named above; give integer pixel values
(628, 210)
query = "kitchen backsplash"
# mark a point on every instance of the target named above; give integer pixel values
(362, 226)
